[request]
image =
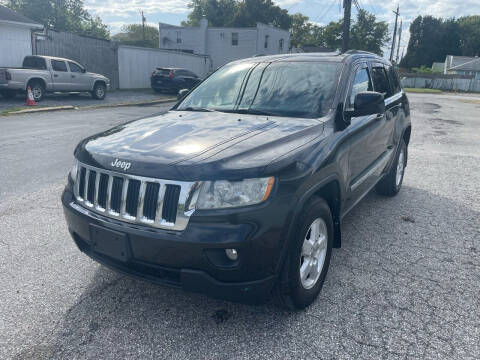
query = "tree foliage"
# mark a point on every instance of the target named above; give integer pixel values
(366, 33)
(62, 15)
(432, 39)
(246, 13)
(132, 34)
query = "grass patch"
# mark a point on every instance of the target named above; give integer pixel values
(424, 91)
(8, 111)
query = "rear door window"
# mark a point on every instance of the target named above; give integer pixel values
(380, 80)
(394, 81)
(58, 65)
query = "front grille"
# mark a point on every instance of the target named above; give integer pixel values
(149, 201)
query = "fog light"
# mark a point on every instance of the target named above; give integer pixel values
(231, 254)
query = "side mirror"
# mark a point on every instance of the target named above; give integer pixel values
(84, 70)
(367, 103)
(182, 93)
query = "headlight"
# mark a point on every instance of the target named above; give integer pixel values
(73, 171)
(226, 194)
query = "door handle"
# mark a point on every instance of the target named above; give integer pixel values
(55, 75)
(379, 116)
(73, 76)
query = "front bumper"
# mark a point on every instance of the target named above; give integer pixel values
(195, 259)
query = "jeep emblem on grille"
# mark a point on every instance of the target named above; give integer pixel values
(121, 164)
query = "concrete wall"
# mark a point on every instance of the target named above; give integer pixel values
(217, 42)
(221, 50)
(441, 83)
(97, 55)
(136, 64)
(15, 44)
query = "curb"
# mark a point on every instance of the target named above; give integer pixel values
(88, 107)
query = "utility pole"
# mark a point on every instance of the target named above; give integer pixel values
(399, 39)
(392, 51)
(347, 6)
(143, 27)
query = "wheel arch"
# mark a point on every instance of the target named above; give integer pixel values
(33, 79)
(99, 81)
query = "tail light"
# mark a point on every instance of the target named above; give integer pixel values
(8, 76)
(170, 75)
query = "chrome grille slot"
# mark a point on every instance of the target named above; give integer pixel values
(102, 191)
(132, 197)
(170, 203)
(150, 201)
(116, 194)
(135, 199)
(92, 175)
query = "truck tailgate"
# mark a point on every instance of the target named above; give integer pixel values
(3, 77)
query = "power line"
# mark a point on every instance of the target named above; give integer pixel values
(320, 17)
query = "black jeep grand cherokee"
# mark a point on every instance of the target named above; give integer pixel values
(240, 189)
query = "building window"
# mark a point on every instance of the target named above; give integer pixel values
(266, 41)
(179, 37)
(280, 44)
(234, 39)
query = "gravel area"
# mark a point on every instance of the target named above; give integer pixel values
(404, 285)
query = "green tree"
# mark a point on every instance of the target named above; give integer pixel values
(219, 13)
(132, 34)
(368, 34)
(250, 12)
(62, 15)
(432, 39)
(469, 35)
(304, 33)
(237, 13)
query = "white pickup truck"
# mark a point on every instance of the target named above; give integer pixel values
(50, 74)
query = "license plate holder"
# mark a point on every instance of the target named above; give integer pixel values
(110, 243)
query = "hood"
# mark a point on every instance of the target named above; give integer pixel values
(186, 145)
(100, 76)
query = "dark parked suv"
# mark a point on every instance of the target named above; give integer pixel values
(172, 80)
(239, 191)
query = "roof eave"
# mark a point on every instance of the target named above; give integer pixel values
(22, 24)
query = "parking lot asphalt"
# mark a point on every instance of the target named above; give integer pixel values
(404, 285)
(84, 99)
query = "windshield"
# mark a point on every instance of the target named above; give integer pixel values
(297, 89)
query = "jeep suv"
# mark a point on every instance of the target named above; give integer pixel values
(239, 190)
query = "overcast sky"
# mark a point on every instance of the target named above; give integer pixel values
(117, 13)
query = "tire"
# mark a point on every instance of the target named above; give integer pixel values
(99, 91)
(38, 90)
(392, 182)
(9, 94)
(291, 291)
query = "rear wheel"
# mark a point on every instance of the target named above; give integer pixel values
(38, 90)
(306, 266)
(99, 91)
(391, 184)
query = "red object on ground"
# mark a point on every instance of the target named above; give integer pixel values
(30, 99)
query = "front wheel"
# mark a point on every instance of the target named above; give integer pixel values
(306, 266)
(391, 184)
(99, 91)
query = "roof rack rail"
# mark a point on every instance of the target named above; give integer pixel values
(351, 52)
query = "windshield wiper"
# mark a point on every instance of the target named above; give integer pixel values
(200, 109)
